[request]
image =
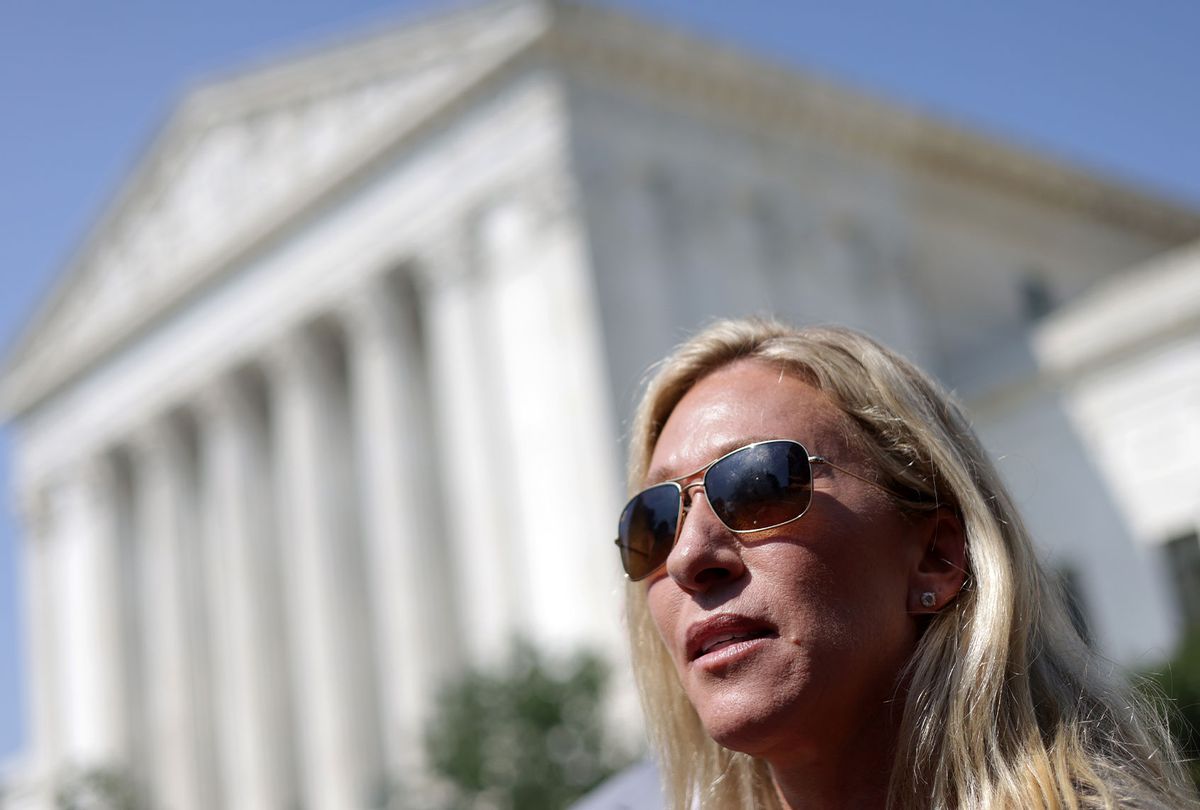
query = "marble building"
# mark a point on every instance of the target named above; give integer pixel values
(330, 403)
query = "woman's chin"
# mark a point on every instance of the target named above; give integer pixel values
(746, 725)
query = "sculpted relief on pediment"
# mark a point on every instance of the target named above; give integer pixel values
(240, 171)
(210, 191)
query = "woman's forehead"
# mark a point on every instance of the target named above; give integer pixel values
(740, 403)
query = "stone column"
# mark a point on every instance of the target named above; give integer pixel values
(551, 432)
(405, 544)
(340, 760)
(40, 602)
(91, 653)
(470, 424)
(253, 692)
(173, 761)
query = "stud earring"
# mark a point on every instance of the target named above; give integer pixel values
(927, 599)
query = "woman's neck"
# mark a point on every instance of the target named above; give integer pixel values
(853, 776)
(863, 789)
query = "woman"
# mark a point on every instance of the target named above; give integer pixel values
(833, 602)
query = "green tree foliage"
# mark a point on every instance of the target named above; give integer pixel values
(97, 789)
(530, 737)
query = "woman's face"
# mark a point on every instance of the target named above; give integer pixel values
(824, 602)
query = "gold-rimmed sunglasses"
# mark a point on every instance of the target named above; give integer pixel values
(761, 486)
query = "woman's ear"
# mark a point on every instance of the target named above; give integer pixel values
(941, 570)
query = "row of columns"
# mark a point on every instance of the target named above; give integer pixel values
(248, 599)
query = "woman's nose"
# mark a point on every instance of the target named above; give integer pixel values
(706, 553)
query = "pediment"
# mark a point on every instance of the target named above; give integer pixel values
(243, 157)
(239, 157)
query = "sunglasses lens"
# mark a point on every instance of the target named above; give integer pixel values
(760, 486)
(647, 529)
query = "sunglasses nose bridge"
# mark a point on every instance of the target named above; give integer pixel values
(686, 501)
(704, 552)
(685, 493)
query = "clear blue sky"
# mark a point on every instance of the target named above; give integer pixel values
(84, 85)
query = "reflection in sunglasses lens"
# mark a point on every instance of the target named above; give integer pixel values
(760, 486)
(648, 528)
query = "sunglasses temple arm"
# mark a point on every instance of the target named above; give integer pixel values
(863, 478)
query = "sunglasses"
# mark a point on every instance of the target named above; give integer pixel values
(761, 486)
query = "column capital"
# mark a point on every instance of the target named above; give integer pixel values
(294, 349)
(369, 298)
(373, 311)
(91, 476)
(543, 204)
(449, 258)
(157, 438)
(224, 397)
(33, 506)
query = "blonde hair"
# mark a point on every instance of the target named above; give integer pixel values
(1004, 704)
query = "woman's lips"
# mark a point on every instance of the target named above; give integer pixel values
(728, 632)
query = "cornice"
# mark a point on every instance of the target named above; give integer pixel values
(385, 49)
(776, 99)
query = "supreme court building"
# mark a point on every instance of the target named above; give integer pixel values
(331, 403)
